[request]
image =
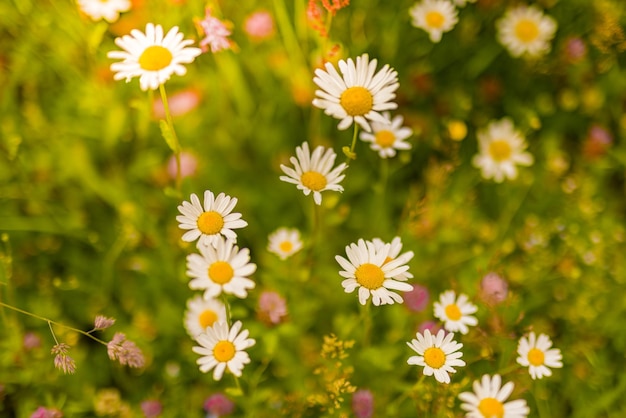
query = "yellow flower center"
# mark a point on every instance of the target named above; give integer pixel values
(224, 351)
(313, 180)
(210, 223)
(155, 58)
(453, 312)
(285, 246)
(356, 101)
(491, 408)
(370, 276)
(434, 357)
(435, 19)
(526, 30)
(385, 138)
(221, 272)
(207, 318)
(536, 357)
(457, 130)
(500, 150)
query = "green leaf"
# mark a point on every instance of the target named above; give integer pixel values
(169, 136)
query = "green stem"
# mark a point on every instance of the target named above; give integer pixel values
(366, 320)
(51, 322)
(176, 146)
(543, 409)
(349, 152)
(227, 306)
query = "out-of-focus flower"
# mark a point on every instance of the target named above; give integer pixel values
(221, 348)
(388, 137)
(211, 220)
(31, 341)
(597, 143)
(536, 354)
(455, 312)
(218, 405)
(284, 242)
(125, 351)
(488, 398)
(394, 252)
(366, 269)
(188, 165)
(359, 94)
(102, 322)
(314, 172)
(437, 354)
(501, 149)
(526, 30)
(431, 326)
(363, 403)
(259, 25)
(62, 360)
(417, 299)
(333, 6)
(493, 288)
(223, 268)
(435, 17)
(108, 10)
(272, 307)
(575, 49)
(108, 402)
(457, 129)
(43, 412)
(151, 56)
(215, 33)
(180, 103)
(202, 313)
(151, 408)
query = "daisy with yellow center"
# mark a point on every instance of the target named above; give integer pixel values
(202, 313)
(395, 247)
(435, 17)
(369, 270)
(284, 242)
(108, 10)
(536, 354)
(437, 354)
(359, 94)
(455, 313)
(210, 220)
(314, 172)
(388, 137)
(487, 400)
(222, 348)
(501, 149)
(525, 30)
(223, 268)
(151, 56)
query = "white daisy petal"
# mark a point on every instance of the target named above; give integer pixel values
(108, 10)
(438, 355)
(488, 400)
(526, 31)
(536, 354)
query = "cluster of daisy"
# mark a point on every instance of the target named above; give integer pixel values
(523, 30)
(220, 268)
(439, 355)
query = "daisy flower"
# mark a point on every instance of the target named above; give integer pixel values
(388, 137)
(455, 313)
(221, 348)
(211, 220)
(358, 94)
(223, 268)
(526, 30)
(202, 313)
(536, 354)
(487, 400)
(501, 148)
(151, 56)
(437, 354)
(435, 17)
(284, 242)
(314, 172)
(108, 10)
(394, 252)
(368, 270)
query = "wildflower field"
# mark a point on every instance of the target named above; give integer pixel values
(312, 208)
